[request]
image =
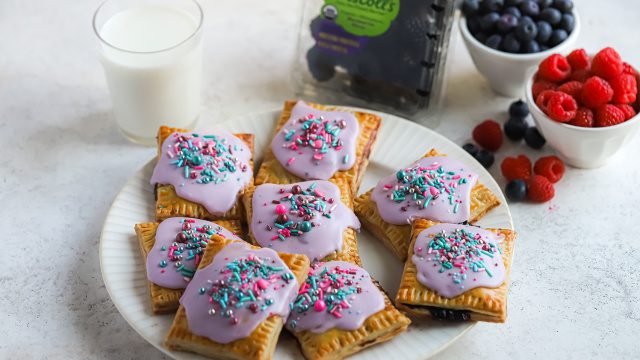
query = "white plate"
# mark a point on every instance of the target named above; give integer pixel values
(399, 143)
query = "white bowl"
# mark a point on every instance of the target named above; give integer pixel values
(582, 147)
(506, 72)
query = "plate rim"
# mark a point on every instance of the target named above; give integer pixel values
(404, 123)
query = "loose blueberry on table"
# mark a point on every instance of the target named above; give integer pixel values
(519, 27)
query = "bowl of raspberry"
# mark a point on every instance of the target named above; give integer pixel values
(508, 38)
(585, 106)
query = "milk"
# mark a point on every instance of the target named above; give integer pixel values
(152, 58)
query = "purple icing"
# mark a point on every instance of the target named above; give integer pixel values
(207, 169)
(229, 298)
(452, 259)
(314, 144)
(178, 248)
(336, 294)
(301, 218)
(436, 188)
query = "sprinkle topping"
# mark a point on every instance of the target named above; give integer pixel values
(303, 206)
(205, 159)
(316, 133)
(244, 283)
(454, 258)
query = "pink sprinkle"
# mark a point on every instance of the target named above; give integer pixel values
(281, 209)
(319, 306)
(318, 156)
(199, 167)
(169, 154)
(455, 177)
(291, 160)
(387, 186)
(317, 144)
(434, 191)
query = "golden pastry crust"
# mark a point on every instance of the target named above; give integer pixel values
(349, 250)
(169, 204)
(271, 171)
(481, 303)
(396, 237)
(165, 300)
(260, 344)
(338, 344)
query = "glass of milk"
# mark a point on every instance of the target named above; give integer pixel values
(151, 51)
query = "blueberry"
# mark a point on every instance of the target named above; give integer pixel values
(485, 158)
(470, 7)
(507, 23)
(471, 149)
(563, 5)
(488, 22)
(510, 44)
(482, 37)
(530, 8)
(473, 24)
(533, 138)
(568, 22)
(320, 64)
(512, 10)
(516, 190)
(514, 129)
(512, 2)
(518, 109)
(526, 30)
(492, 5)
(544, 32)
(557, 36)
(544, 3)
(530, 47)
(494, 41)
(551, 15)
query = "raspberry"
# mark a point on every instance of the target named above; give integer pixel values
(561, 107)
(543, 99)
(514, 168)
(488, 135)
(583, 118)
(628, 69)
(596, 92)
(550, 167)
(554, 68)
(540, 86)
(628, 110)
(608, 115)
(578, 59)
(540, 189)
(607, 63)
(580, 75)
(573, 88)
(624, 88)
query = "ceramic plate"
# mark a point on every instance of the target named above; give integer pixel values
(399, 143)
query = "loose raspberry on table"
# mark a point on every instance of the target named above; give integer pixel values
(583, 118)
(573, 88)
(488, 135)
(540, 86)
(607, 63)
(554, 68)
(608, 115)
(578, 59)
(561, 107)
(514, 168)
(596, 92)
(550, 167)
(543, 99)
(625, 89)
(540, 189)
(628, 110)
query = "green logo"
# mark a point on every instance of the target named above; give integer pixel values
(362, 17)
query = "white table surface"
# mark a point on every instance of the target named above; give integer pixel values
(575, 289)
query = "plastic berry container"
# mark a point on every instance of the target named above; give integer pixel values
(507, 72)
(582, 147)
(382, 55)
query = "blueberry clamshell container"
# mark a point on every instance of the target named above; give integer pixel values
(400, 71)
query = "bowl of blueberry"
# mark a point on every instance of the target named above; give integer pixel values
(508, 38)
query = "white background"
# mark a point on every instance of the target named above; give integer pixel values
(575, 282)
